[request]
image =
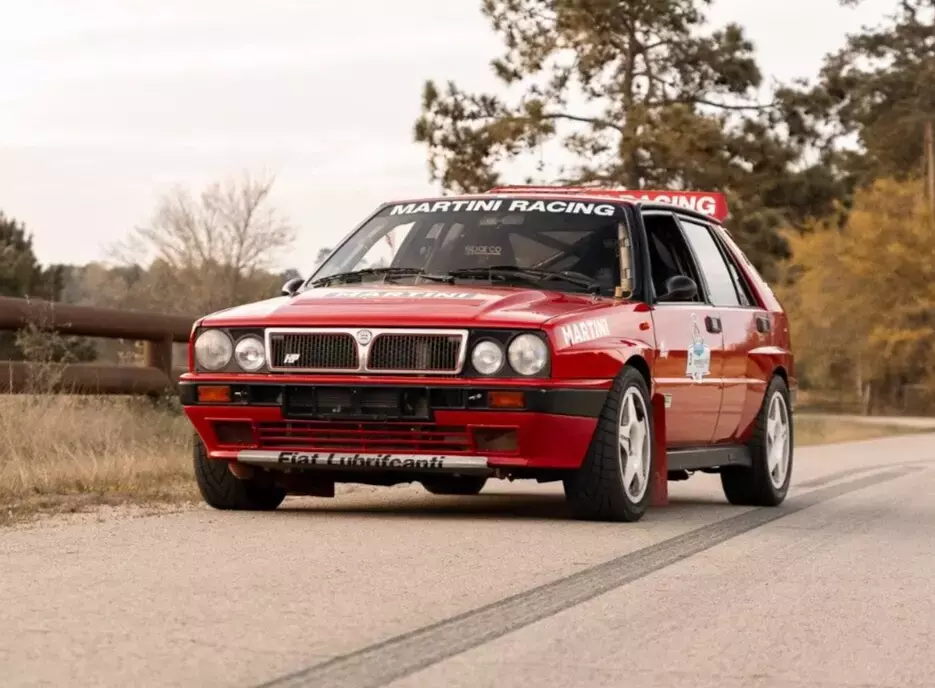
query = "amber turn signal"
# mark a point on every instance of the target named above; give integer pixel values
(512, 400)
(214, 394)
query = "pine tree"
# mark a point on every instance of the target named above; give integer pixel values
(635, 94)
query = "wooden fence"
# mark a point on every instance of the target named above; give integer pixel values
(157, 331)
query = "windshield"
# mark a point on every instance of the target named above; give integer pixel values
(445, 237)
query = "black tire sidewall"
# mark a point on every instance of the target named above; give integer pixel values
(759, 449)
(220, 489)
(633, 378)
(596, 490)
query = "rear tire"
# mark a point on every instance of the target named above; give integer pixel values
(614, 483)
(766, 481)
(222, 490)
(454, 485)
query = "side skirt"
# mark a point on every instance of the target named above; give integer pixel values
(708, 457)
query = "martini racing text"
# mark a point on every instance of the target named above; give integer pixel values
(513, 206)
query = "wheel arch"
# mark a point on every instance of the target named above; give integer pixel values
(781, 372)
(640, 364)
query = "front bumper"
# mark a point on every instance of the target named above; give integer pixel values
(437, 427)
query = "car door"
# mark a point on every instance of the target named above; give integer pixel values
(759, 337)
(688, 336)
(741, 322)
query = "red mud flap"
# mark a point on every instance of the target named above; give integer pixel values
(660, 476)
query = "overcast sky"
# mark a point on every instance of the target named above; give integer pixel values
(104, 104)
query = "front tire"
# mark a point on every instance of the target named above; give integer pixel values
(614, 483)
(766, 481)
(455, 485)
(222, 490)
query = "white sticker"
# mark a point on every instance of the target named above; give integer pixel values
(584, 331)
(699, 354)
(663, 350)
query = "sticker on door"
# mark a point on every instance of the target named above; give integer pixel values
(699, 354)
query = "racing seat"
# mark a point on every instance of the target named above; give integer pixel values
(484, 247)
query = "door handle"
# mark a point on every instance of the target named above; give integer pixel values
(712, 323)
(763, 325)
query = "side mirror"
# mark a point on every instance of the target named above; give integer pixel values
(292, 286)
(680, 288)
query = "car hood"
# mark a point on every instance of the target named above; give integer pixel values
(394, 306)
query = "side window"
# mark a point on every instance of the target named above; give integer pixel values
(744, 286)
(669, 255)
(740, 283)
(720, 280)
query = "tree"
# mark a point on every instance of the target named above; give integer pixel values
(881, 88)
(20, 273)
(21, 276)
(211, 252)
(636, 94)
(862, 305)
(323, 253)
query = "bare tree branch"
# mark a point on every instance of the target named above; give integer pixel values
(214, 245)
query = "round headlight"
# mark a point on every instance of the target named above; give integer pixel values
(250, 354)
(213, 349)
(528, 354)
(487, 357)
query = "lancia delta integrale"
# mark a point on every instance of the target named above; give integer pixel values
(610, 340)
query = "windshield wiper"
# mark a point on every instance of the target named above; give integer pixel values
(514, 270)
(385, 272)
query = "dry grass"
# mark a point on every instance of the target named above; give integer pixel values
(61, 453)
(68, 453)
(811, 431)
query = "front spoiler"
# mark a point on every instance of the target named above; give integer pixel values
(355, 461)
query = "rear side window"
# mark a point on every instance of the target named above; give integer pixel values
(717, 272)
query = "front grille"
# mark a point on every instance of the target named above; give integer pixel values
(387, 351)
(437, 353)
(313, 351)
(363, 437)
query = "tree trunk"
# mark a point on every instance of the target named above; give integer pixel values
(867, 399)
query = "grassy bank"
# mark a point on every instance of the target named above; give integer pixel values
(60, 453)
(811, 431)
(65, 453)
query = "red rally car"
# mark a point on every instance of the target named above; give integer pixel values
(609, 339)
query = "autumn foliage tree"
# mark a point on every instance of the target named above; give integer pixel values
(862, 305)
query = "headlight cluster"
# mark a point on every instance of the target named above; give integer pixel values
(527, 354)
(214, 350)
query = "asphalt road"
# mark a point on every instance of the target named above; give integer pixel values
(399, 588)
